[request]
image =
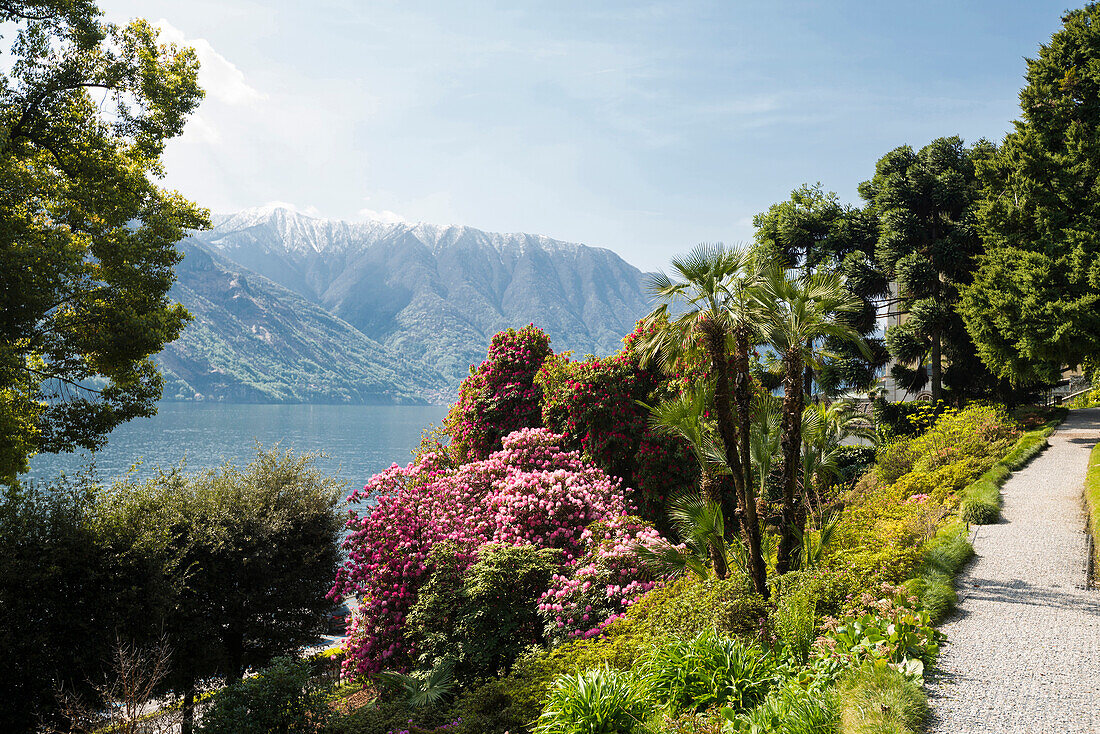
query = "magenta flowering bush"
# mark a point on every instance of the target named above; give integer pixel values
(531, 491)
(500, 395)
(603, 582)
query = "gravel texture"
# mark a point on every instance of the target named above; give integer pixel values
(1023, 650)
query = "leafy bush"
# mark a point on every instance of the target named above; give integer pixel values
(902, 419)
(852, 462)
(597, 403)
(1092, 501)
(876, 699)
(689, 605)
(605, 581)
(895, 459)
(708, 670)
(597, 701)
(889, 630)
(280, 699)
(480, 620)
(979, 432)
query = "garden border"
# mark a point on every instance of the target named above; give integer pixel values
(1092, 507)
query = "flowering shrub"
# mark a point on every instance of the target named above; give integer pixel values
(602, 584)
(595, 403)
(531, 491)
(499, 396)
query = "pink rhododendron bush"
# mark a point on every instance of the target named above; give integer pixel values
(531, 491)
(602, 584)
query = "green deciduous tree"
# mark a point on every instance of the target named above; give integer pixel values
(86, 235)
(1034, 304)
(258, 549)
(928, 242)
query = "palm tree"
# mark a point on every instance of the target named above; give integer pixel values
(700, 525)
(699, 521)
(798, 311)
(711, 303)
(824, 428)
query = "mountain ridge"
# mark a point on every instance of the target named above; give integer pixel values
(429, 296)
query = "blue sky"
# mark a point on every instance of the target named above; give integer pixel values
(641, 127)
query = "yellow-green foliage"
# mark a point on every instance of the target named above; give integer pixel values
(876, 699)
(979, 432)
(1092, 499)
(683, 608)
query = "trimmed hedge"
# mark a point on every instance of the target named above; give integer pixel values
(1092, 501)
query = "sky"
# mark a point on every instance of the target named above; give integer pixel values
(643, 127)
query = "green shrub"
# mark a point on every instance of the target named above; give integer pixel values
(902, 419)
(852, 462)
(597, 701)
(794, 621)
(280, 699)
(895, 459)
(480, 620)
(389, 717)
(978, 432)
(690, 605)
(708, 670)
(876, 699)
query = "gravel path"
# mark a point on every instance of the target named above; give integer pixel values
(1023, 651)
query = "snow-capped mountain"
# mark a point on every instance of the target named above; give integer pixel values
(431, 296)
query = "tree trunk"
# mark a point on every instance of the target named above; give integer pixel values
(750, 523)
(187, 721)
(711, 491)
(786, 560)
(714, 339)
(937, 374)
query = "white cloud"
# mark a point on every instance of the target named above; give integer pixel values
(221, 79)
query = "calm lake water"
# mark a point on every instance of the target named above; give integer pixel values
(359, 440)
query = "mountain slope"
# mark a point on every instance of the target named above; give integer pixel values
(253, 340)
(436, 295)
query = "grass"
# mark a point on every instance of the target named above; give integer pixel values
(876, 699)
(1092, 501)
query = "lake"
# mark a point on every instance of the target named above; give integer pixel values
(359, 440)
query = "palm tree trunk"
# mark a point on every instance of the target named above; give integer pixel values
(714, 340)
(786, 559)
(750, 523)
(711, 490)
